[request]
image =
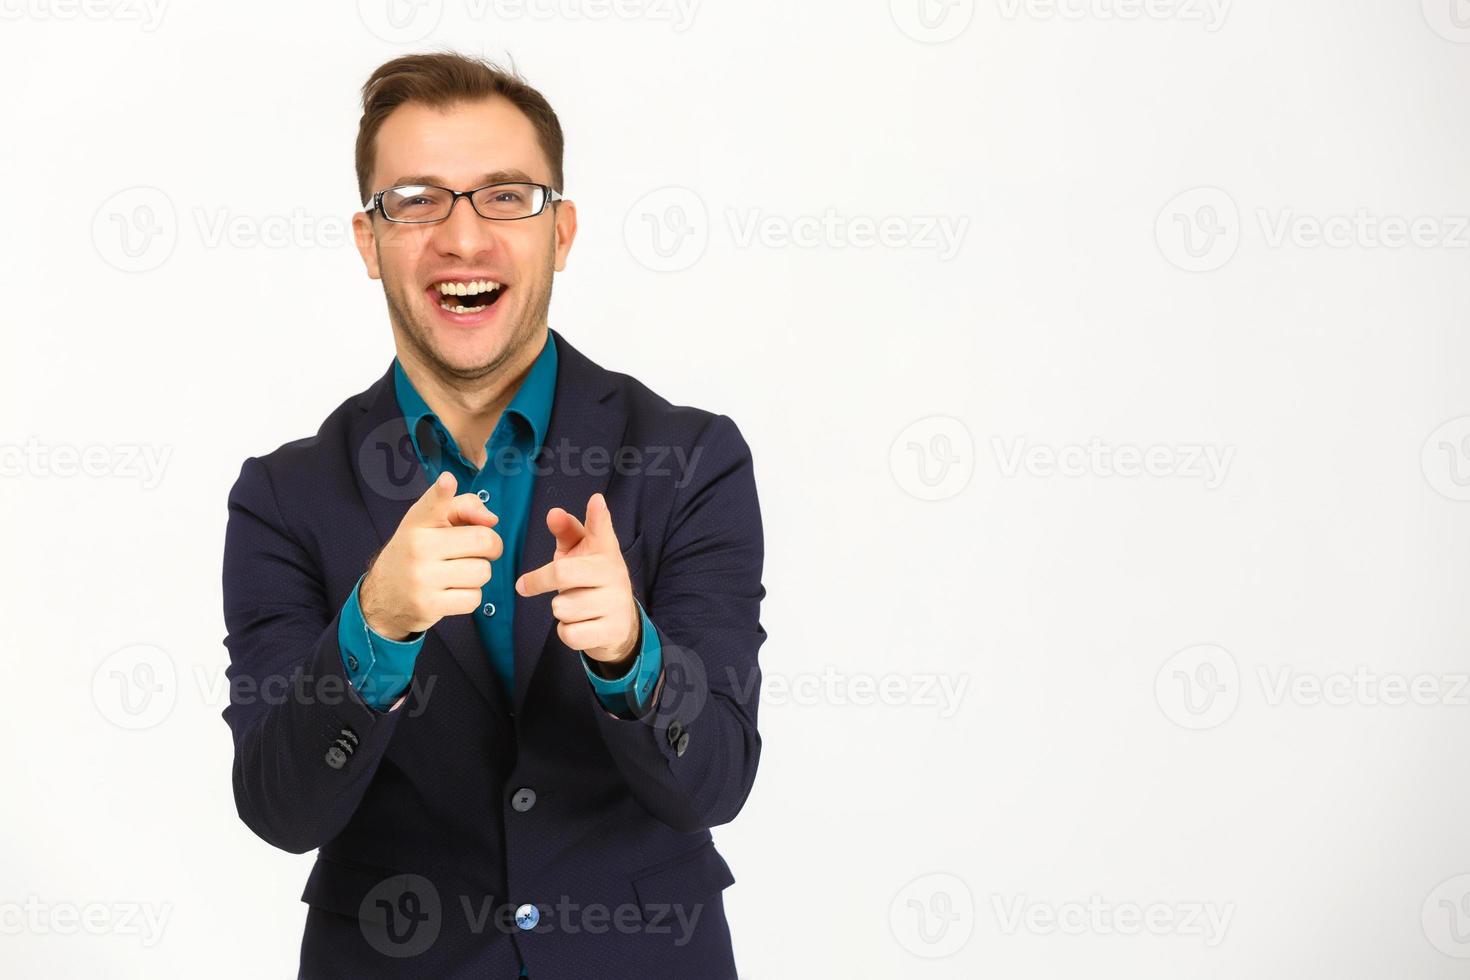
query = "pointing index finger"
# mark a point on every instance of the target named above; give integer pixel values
(537, 581)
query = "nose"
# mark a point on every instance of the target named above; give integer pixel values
(464, 234)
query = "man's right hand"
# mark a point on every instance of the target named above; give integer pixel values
(434, 566)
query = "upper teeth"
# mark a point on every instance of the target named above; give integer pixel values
(473, 288)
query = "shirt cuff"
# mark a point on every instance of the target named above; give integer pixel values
(627, 696)
(379, 668)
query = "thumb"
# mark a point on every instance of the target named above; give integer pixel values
(432, 509)
(599, 521)
(565, 527)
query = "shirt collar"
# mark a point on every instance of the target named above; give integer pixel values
(531, 402)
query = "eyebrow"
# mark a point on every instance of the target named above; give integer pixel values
(494, 177)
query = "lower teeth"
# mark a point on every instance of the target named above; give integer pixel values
(463, 309)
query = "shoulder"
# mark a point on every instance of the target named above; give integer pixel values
(651, 416)
(320, 460)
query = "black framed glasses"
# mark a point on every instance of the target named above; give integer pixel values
(419, 204)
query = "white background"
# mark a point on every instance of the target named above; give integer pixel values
(1135, 732)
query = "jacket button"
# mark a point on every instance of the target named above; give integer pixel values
(682, 744)
(527, 916)
(524, 799)
(341, 750)
(676, 730)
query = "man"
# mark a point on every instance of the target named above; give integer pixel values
(493, 630)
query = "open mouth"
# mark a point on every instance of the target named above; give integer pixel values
(467, 297)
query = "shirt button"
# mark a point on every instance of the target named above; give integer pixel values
(524, 799)
(489, 609)
(484, 496)
(527, 916)
(351, 662)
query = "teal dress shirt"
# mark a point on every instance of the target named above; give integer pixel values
(379, 668)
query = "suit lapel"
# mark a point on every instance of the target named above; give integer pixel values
(586, 413)
(390, 479)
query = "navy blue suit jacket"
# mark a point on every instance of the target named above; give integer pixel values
(470, 831)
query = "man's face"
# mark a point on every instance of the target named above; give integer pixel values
(463, 146)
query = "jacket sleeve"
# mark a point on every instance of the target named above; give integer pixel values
(691, 757)
(306, 744)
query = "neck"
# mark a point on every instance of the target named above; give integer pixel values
(469, 409)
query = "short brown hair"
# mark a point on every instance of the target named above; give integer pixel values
(438, 80)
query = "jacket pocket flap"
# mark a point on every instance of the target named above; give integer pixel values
(686, 881)
(370, 894)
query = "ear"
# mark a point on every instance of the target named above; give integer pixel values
(566, 230)
(367, 246)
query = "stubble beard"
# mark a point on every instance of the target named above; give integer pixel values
(418, 335)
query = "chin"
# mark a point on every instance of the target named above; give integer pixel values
(469, 353)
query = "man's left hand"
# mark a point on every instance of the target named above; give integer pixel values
(594, 605)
